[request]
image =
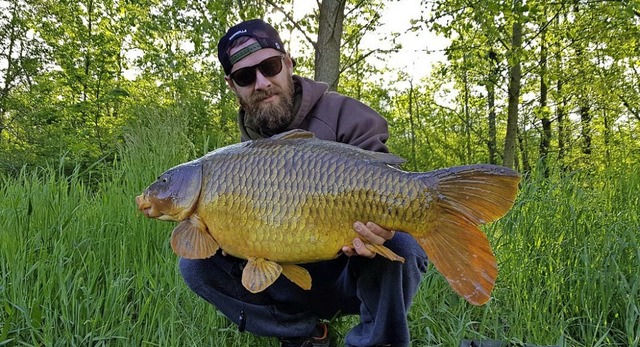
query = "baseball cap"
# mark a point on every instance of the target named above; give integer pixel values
(265, 35)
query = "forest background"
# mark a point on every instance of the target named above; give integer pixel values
(97, 97)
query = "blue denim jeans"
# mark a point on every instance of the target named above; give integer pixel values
(379, 290)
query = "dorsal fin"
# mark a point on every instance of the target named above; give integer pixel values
(293, 134)
(387, 158)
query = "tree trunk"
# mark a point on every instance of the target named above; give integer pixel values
(327, 56)
(585, 124)
(491, 104)
(562, 131)
(545, 139)
(561, 101)
(607, 137)
(515, 75)
(526, 164)
(413, 127)
(467, 116)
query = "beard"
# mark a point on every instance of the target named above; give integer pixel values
(269, 118)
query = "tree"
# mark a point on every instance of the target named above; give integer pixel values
(515, 74)
(543, 114)
(492, 82)
(327, 53)
(23, 55)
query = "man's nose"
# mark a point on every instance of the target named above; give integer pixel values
(262, 82)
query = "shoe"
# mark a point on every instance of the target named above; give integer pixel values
(319, 338)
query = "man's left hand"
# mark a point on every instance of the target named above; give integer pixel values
(370, 233)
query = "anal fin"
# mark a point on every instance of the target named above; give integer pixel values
(259, 274)
(191, 239)
(298, 275)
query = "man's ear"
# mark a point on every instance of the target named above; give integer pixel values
(288, 62)
(230, 83)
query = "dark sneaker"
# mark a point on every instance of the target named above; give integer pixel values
(319, 338)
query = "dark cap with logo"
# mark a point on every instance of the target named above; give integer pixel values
(265, 35)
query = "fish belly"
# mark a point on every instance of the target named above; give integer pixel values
(294, 204)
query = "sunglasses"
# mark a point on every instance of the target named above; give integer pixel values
(268, 68)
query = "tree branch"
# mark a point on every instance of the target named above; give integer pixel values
(625, 102)
(350, 64)
(295, 23)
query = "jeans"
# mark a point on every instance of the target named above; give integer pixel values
(379, 290)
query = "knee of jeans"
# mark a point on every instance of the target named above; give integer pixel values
(189, 269)
(407, 247)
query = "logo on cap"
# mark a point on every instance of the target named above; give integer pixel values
(244, 31)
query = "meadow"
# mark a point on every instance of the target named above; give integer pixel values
(79, 266)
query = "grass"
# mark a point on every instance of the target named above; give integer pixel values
(80, 267)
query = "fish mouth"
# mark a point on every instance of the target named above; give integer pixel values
(146, 207)
(154, 209)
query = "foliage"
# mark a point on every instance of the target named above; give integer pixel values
(76, 72)
(590, 64)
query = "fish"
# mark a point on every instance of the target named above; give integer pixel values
(293, 198)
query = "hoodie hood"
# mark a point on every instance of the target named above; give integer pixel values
(306, 94)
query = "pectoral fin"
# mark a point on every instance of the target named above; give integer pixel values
(191, 239)
(384, 251)
(298, 275)
(259, 274)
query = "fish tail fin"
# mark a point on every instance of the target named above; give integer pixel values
(466, 197)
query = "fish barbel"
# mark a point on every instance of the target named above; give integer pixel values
(293, 199)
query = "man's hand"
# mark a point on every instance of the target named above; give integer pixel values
(371, 233)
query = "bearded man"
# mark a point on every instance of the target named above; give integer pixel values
(272, 100)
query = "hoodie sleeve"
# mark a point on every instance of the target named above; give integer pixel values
(359, 125)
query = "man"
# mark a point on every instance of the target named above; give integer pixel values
(272, 100)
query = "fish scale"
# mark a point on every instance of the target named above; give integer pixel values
(293, 199)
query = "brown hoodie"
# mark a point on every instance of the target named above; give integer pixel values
(330, 116)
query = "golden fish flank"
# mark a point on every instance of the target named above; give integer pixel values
(293, 198)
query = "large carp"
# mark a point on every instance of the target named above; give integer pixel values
(293, 199)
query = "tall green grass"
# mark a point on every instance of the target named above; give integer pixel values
(80, 267)
(569, 259)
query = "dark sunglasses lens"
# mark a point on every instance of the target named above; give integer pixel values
(271, 67)
(247, 75)
(244, 76)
